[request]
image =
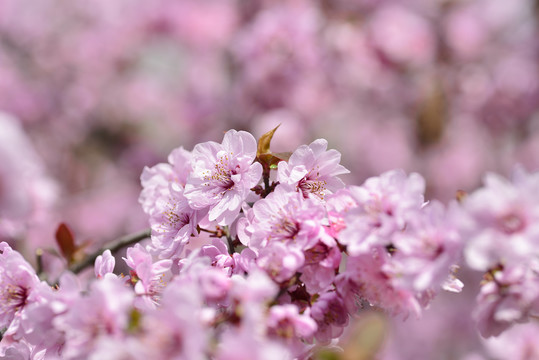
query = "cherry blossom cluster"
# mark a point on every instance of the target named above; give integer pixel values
(252, 255)
(502, 228)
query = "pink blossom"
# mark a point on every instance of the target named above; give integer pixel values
(428, 247)
(370, 277)
(232, 263)
(286, 324)
(384, 203)
(331, 316)
(284, 216)
(223, 175)
(157, 179)
(104, 264)
(147, 276)
(519, 342)
(280, 261)
(511, 295)
(19, 289)
(503, 221)
(313, 170)
(337, 206)
(171, 219)
(103, 312)
(321, 264)
(176, 329)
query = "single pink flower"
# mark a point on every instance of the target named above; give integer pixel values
(223, 175)
(313, 170)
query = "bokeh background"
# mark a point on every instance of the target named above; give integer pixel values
(93, 91)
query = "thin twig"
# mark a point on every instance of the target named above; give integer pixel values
(39, 261)
(113, 246)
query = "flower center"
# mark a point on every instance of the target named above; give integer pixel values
(311, 185)
(221, 176)
(511, 223)
(14, 297)
(286, 229)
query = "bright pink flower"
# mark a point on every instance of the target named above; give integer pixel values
(223, 175)
(313, 170)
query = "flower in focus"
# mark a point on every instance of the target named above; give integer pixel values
(313, 170)
(19, 288)
(223, 175)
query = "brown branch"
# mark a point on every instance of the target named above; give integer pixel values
(113, 246)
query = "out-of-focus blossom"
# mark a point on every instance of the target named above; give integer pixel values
(147, 276)
(384, 203)
(503, 221)
(103, 312)
(104, 264)
(510, 296)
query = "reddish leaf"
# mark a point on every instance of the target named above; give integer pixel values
(66, 242)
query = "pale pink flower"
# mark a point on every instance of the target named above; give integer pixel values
(157, 179)
(173, 223)
(313, 170)
(510, 296)
(19, 289)
(337, 206)
(425, 251)
(371, 277)
(384, 204)
(286, 324)
(232, 263)
(331, 316)
(503, 222)
(176, 329)
(519, 342)
(148, 277)
(171, 219)
(321, 264)
(104, 264)
(223, 175)
(283, 216)
(280, 261)
(103, 312)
